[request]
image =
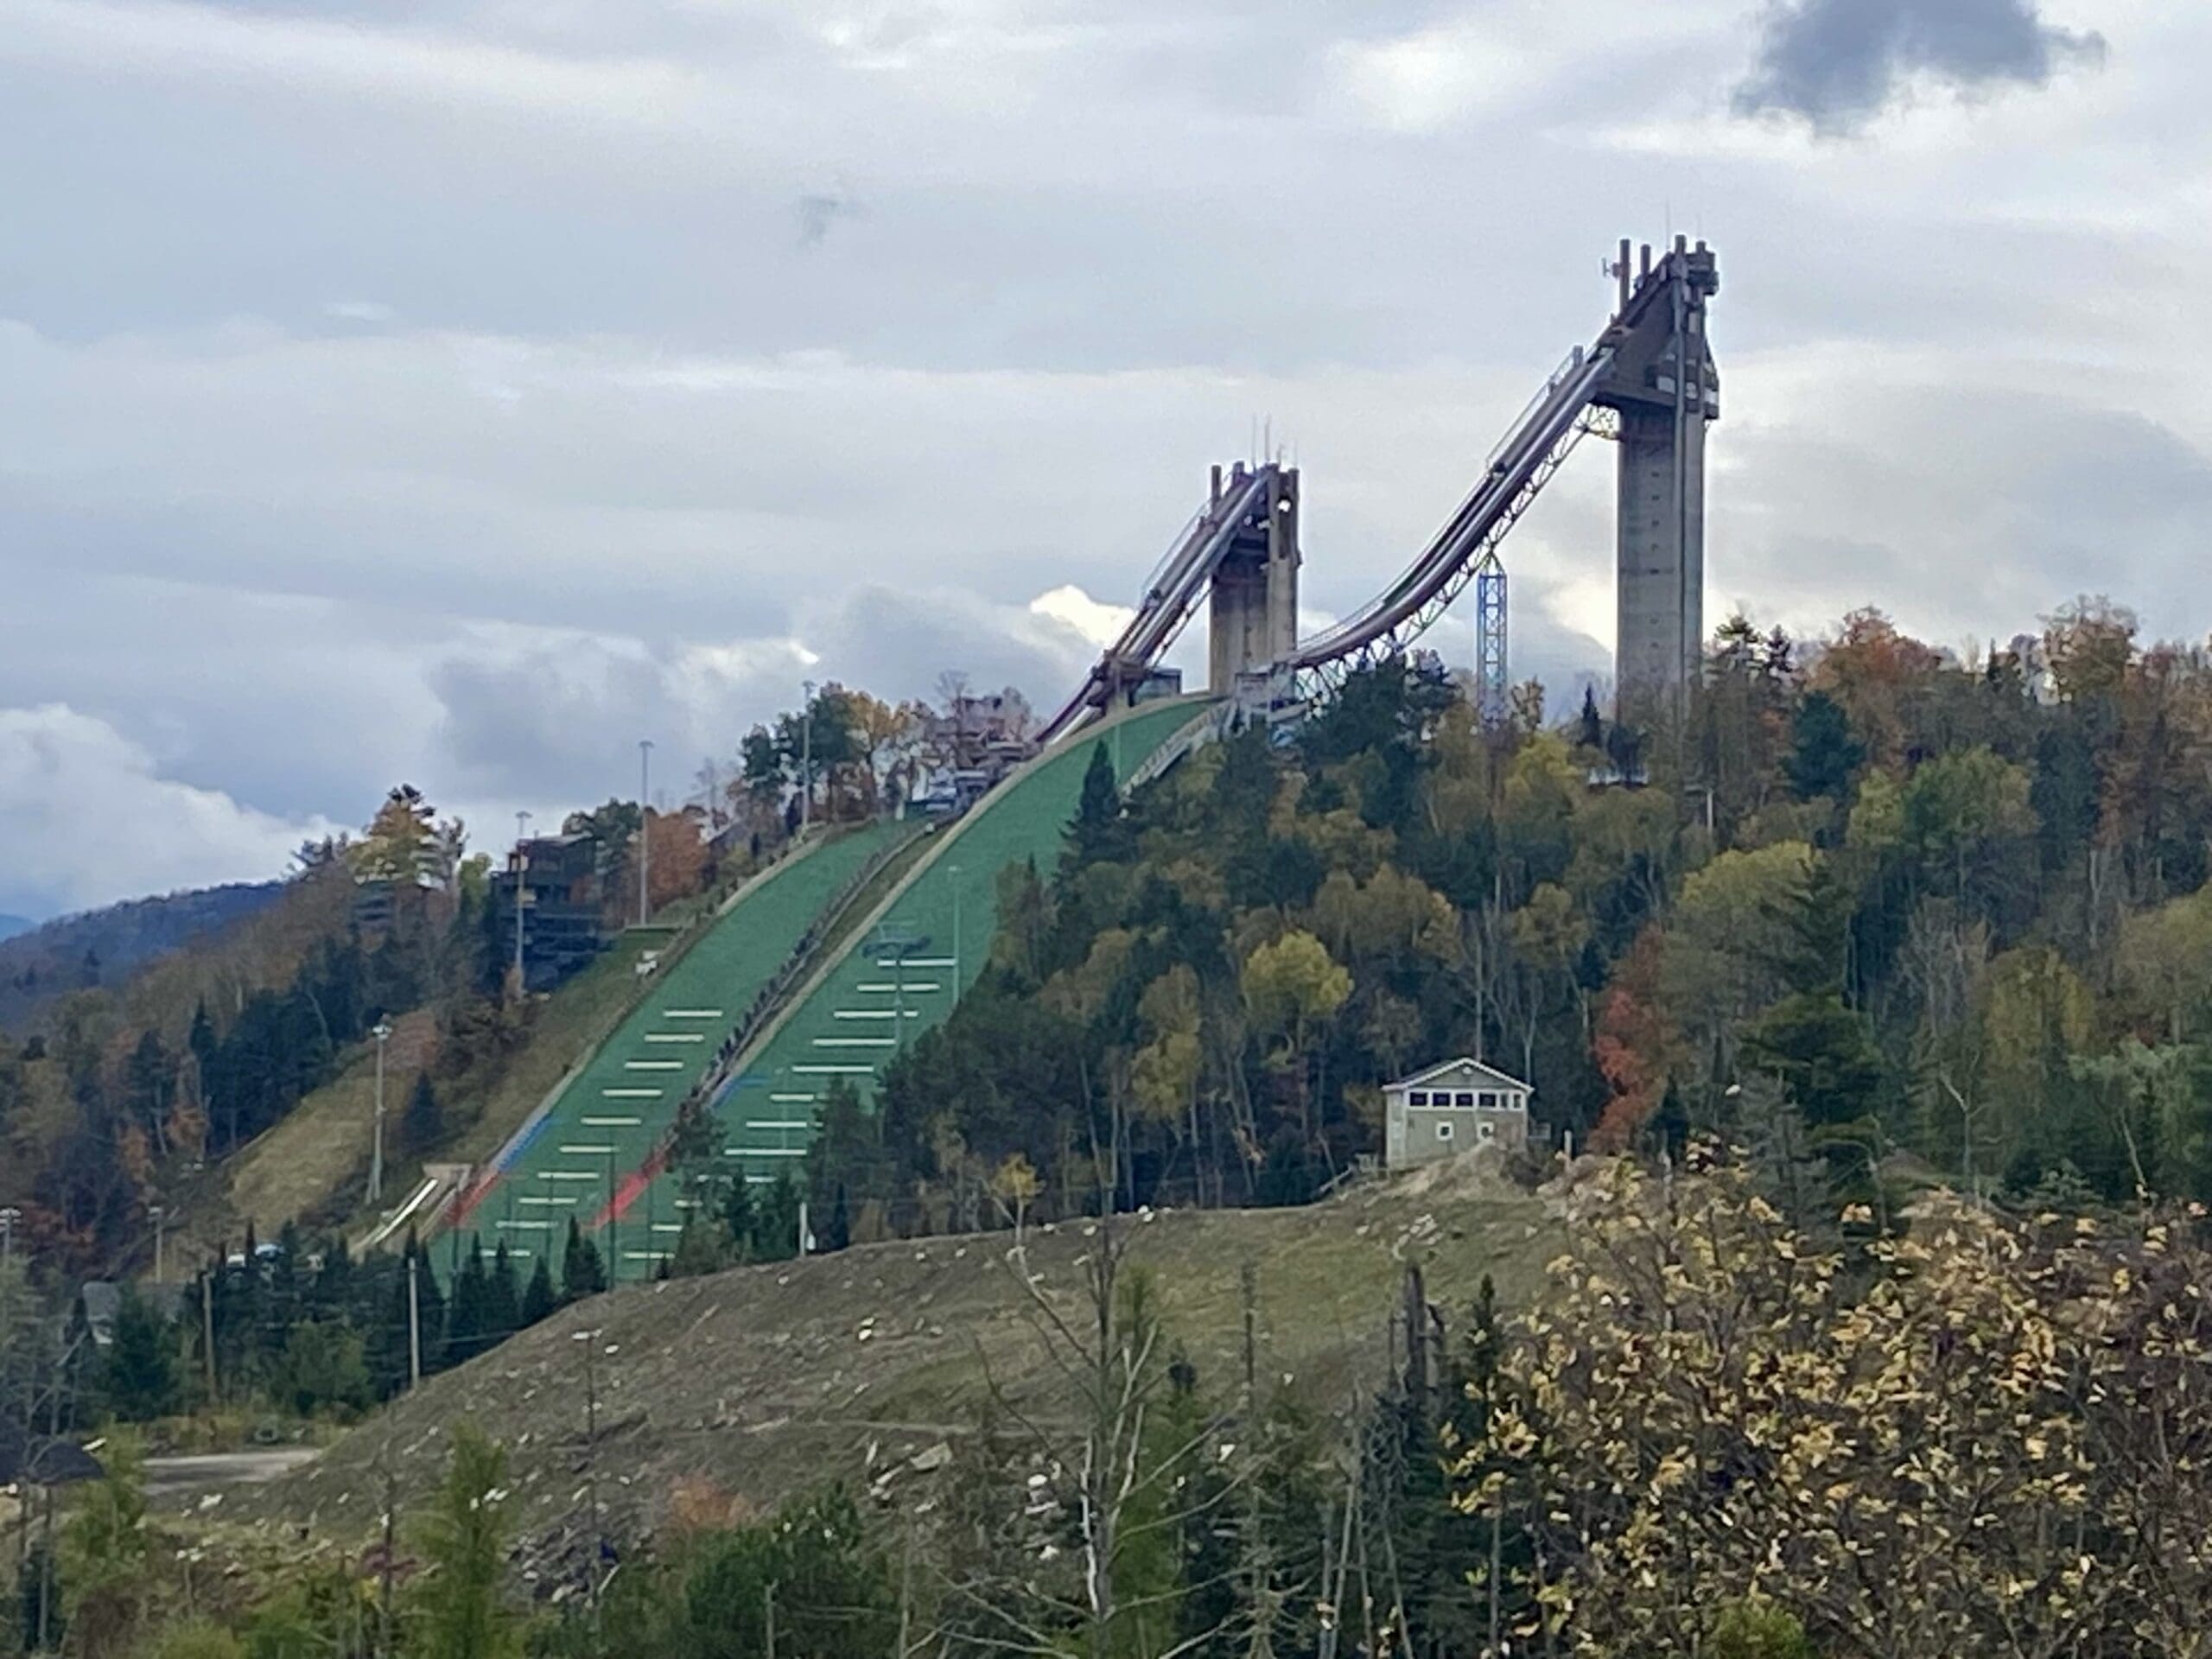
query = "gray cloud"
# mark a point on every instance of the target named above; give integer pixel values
(441, 391)
(1837, 62)
(559, 718)
(818, 212)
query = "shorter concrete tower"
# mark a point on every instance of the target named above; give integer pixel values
(1662, 382)
(1252, 602)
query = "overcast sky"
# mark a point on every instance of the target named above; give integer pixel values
(457, 390)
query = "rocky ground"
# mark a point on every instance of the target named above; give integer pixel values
(867, 1365)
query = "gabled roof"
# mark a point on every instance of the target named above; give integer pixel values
(1472, 1070)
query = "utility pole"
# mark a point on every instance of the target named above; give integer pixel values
(384, 1599)
(644, 841)
(590, 1340)
(414, 1319)
(806, 757)
(208, 1324)
(382, 1033)
(953, 871)
(522, 864)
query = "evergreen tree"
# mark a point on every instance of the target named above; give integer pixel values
(700, 1248)
(1590, 728)
(139, 1375)
(466, 1314)
(582, 1271)
(1097, 834)
(1824, 754)
(422, 1122)
(775, 1229)
(539, 1298)
(502, 1299)
(739, 1218)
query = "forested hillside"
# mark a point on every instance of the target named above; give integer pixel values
(1874, 908)
(40, 964)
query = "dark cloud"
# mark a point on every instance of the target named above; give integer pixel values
(818, 214)
(1837, 62)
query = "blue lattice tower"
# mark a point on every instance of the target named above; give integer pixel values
(1493, 683)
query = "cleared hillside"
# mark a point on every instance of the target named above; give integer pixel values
(767, 1379)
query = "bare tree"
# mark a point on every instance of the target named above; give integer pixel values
(1122, 1460)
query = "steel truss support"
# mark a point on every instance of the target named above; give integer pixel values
(1493, 680)
(1325, 679)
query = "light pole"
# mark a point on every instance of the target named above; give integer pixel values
(953, 871)
(159, 1216)
(806, 757)
(522, 864)
(382, 1033)
(644, 841)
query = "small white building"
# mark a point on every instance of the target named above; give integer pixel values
(1449, 1108)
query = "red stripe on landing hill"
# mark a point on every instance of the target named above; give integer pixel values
(474, 1194)
(631, 1189)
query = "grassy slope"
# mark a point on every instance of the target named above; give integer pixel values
(760, 1381)
(305, 1165)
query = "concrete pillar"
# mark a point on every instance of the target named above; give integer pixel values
(1659, 575)
(1252, 602)
(1662, 383)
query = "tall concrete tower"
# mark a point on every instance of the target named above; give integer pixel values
(1252, 601)
(1662, 382)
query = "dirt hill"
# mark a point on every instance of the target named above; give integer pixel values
(865, 1365)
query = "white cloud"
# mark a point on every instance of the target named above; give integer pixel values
(363, 311)
(1098, 622)
(85, 818)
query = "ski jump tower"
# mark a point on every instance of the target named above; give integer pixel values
(1252, 599)
(1662, 384)
(1647, 381)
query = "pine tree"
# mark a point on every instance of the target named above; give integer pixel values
(1825, 754)
(140, 1376)
(502, 1299)
(429, 1300)
(423, 1122)
(1590, 728)
(1097, 833)
(538, 1299)
(775, 1228)
(582, 1273)
(465, 1313)
(740, 1218)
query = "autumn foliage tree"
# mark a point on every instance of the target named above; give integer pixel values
(1975, 1436)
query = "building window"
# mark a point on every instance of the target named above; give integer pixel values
(1466, 1098)
(1443, 1131)
(1488, 1100)
(1418, 1097)
(1485, 1131)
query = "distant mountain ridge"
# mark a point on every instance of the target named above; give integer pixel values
(12, 925)
(40, 961)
